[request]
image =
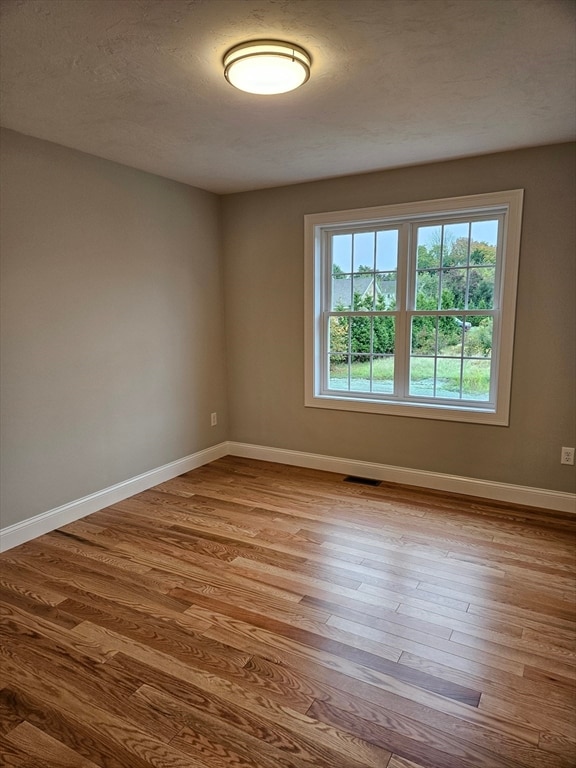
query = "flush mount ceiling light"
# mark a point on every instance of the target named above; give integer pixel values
(266, 66)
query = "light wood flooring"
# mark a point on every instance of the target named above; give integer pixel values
(253, 615)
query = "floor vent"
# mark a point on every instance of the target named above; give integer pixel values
(361, 480)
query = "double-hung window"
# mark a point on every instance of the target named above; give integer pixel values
(410, 308)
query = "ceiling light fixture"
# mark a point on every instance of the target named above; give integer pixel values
(267, 66)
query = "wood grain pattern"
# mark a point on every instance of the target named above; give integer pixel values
(252, 615)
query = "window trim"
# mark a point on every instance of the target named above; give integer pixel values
(508, 202)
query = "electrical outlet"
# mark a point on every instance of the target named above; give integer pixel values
(567, 456)
(214, 421)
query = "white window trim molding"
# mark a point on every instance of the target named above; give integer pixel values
(314, 224)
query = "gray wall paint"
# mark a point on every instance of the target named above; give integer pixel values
(112, 324)
(264, 287)
(113, 344)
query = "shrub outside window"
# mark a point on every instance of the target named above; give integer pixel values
(410, 308)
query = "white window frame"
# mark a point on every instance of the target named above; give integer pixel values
(508, 206)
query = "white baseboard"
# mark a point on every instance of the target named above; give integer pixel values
(468, 486)
(45, 522)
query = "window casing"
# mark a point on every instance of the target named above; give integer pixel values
(410, 308)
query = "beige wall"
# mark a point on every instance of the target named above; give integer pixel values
(263, 246)
(112, 324)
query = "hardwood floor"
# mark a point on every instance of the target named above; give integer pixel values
(252, 615)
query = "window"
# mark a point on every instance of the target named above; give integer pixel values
(410, 308)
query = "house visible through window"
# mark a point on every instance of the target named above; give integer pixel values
(410, 309)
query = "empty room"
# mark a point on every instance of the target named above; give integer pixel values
(287, 383)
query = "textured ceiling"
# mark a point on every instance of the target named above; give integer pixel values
(394, 82)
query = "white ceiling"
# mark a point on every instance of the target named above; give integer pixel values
(394, 82)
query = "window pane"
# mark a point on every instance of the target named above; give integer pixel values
(338, 337)
(364, 252)
(476, 379)
(338, 373)
(455, 245)
(454, 288)
(341, 253)
(478, 337)
(383, 374)
(428, 247)
(450, 332)
(427, 283)
(387, 250)
(383, 341)
(360, 334)
(481, 288)
(424, 335)
(341, 293)
(484, 241)
(386, 290)
(448, 373)
(360, 373)
(422, 376)
(363, 291)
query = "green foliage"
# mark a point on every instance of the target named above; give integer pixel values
(383, 329)
(478, 340)
(452, 269)
(362, 329)
(337, 272)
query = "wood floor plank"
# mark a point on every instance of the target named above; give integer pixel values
(546, 678)
(84, 576)
(447, 734)
(496, 683)
(8, 718)
(324, 681)
(523, 617)
(556, 660)
(45, 748)
(16, 623)
(463, 622)
(552, 720)
(417, 598)
(452, 653)
(29, 605)
(400, 762)
(535, 603)
(380, 618)
(351, 747)
(252, 615)
(109, 689)
(184, 568)
(315, 633)
(532, 709)
(29, 588)
(75, 732)
(15, 757)
(306, 585)
(143, 747)
(76, 544)
(248, 737)
(342, 645)
(434, 751)
(550, 636)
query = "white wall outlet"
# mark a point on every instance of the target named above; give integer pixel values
(214, 421)
(567, 456)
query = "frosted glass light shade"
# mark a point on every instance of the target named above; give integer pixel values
(266, 66)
